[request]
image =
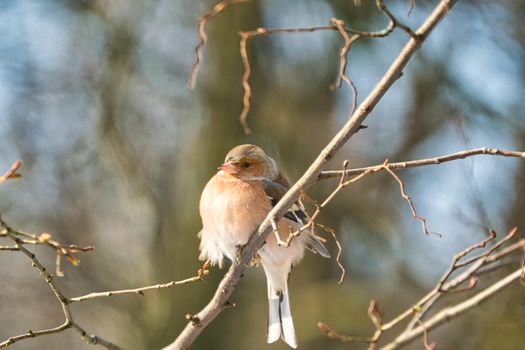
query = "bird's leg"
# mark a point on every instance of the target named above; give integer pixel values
(238, 253)
(280, 242)
(254, 262)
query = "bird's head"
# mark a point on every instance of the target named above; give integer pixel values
(248, 162)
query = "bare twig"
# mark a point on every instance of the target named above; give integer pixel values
(201, 31)
(12, 173)
(19, 246)
(342, 76)
(411, 6)
(376, 316)
(341, 337)
(68, 251)
(445, 285)
(342, 184)
(381, 6)
(140, 290)
(246, 35)
(508, 237)
(9, 248)
(64, 302)
(233, 276)
(339, 251)
(453, 311)
(425, 338)
(427, 161)
(409, 201)
(460, 255)
(245, 84)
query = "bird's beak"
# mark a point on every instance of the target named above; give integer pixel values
(229, 168)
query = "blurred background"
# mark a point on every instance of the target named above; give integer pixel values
(116, 150)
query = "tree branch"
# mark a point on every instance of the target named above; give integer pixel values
(221, 298)
(424, 162)
(20, 239)
(453, 311)
(64, 302)
(140, 290)
(203, 37)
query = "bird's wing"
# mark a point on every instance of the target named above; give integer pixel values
(275, 191)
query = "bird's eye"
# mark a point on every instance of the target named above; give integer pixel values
(246, 164)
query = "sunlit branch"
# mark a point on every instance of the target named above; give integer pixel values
(473, 268)
(427, 161)
(452, 312)
(226, 287)
(12, 173)
(64, 302)
(200, 275)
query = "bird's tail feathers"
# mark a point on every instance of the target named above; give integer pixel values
(280, 323)
(315, 245)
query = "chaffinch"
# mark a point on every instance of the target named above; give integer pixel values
(233, 204)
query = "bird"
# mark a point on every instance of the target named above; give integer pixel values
(233, 204)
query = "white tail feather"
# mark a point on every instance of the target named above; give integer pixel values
(280, 323)
(274, 323)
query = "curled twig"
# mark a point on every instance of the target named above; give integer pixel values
(342, 76)
(339, 251)
(381, 6)
(246, 35)
(203, 37)
(409, 200)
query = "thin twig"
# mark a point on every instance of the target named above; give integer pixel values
(381, 6)
(64, 302)
(342, 76)
(425, 338)
(339, 251)
(444, 286)
(203, 37)
(14, 235)
(453, 311)
(94, 339)
(9, 248)
(341, 337)
(427, 161)
(409, 201)
(140, 290)
(455, 260)
(12, 173)
(508, 237)
(246, 35)
(68, 251)
(245, 84)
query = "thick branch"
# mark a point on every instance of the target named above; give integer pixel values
(221, 298)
